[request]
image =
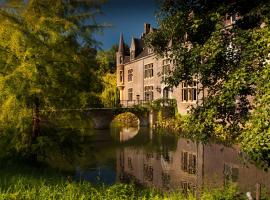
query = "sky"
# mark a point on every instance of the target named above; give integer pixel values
(126, 16)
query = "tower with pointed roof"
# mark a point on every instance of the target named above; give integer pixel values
(121, 51)
(120, 56)
(141, 74)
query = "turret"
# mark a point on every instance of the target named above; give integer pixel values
(120, 55)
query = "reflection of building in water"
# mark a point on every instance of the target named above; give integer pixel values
(191, 166)
(127, 133)
(223, 164)
(164, 169)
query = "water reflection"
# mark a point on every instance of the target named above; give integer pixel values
(148, 158)
(126, 133)
(190, 167)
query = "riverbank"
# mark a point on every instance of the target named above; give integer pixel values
(23, 181)
(24, 187)
(182, 125)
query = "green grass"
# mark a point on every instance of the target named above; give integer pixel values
(25, 188)
(21, 180)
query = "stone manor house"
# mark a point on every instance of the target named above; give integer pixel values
(140, 75)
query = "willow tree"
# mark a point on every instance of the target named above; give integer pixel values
(47, 62)
(231, 62)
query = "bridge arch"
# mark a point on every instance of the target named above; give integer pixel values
(102, 117)
(127, 118)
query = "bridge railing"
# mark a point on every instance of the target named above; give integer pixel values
(132, 103)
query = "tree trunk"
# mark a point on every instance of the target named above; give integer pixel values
(36, 119)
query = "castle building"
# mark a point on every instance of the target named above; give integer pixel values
(140, 75)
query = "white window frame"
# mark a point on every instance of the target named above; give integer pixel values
(189, 91)
(148, 89)
(130, 94)
(149, 71)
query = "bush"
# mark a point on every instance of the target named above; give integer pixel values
(126, 119)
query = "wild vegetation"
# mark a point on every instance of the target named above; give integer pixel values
(26, 182)
(107, 71)
(127, 119)
(47, 63)
(174, 124)
(231, 62)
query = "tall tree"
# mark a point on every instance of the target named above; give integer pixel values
(107, 67)
(47, 61)
(230, 63)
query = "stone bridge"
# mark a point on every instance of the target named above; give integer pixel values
(102, 117)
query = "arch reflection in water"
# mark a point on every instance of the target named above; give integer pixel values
(127, 133)
(189, 168)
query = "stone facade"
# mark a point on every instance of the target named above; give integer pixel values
(140, 73)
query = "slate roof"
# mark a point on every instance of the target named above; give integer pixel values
(142, 54)
(137, 43)
(126, 59)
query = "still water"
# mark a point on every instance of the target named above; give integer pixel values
(155, 159)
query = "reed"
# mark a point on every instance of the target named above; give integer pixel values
(23, 181)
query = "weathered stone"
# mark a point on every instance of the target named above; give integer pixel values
(102, 117)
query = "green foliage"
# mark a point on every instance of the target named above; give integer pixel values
(127, 119)
(230, 63)
(40, 183)
(230, 192)
(256, 135)
(158, 104)
(110, 94)
(47, 61)
(107, 60)
(172, 124)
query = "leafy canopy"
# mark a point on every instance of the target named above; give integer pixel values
(231, 62)
(47, 59)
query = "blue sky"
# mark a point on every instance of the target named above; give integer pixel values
(127, 16)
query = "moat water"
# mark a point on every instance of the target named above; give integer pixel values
(154, 159)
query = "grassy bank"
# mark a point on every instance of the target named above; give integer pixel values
(22, 180)
(23, 187)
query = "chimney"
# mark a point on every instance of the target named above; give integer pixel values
(147, 28)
